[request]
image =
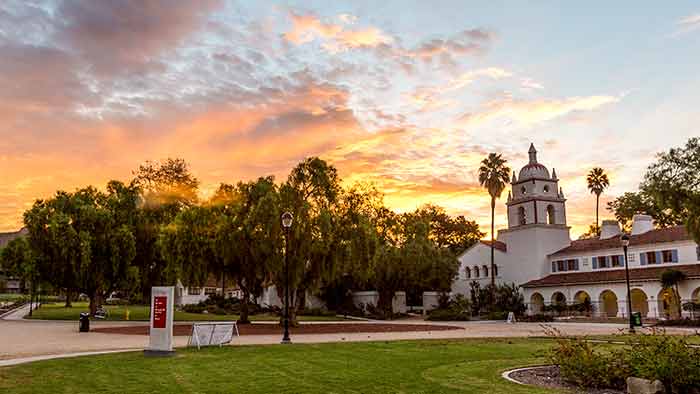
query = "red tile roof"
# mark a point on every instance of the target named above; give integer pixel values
(498, 245)
(608, 276)
(669, 234)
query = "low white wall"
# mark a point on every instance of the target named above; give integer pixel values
(364, 298)
(430, 300)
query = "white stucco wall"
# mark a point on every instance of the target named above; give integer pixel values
(478, 255)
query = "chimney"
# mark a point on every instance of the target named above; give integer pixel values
(609, 229)
(642, 224)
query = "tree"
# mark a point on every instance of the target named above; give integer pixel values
(17, 259)
(673, 182)
(248, 239)
(592, 232)
(629, 204)
(83, 240)
(311, 194)
(597, 181)
(670, 279)
(455, 234)
(493, 175)
(165, 188)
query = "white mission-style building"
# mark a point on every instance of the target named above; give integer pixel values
(537, 253)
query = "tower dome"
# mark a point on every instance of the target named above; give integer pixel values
(533, 169)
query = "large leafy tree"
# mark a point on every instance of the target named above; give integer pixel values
(673, 182)
(165, 188)
(248, 238)
(311, 194)
(83, 240)
(493, 175)
(18, 260)
(629, 204)
(456, 234)
(597, 181)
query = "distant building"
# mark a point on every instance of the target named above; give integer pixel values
(536, 253)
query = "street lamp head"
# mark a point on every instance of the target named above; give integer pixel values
(287, 220)
(625, 239)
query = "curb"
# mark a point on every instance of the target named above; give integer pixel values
(506, 374)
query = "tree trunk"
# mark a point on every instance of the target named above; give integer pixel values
(493, 245)
(68, 301)
(223, 285)
(95, 301)
(384, 303)
(597, 204)
(680, 301)
(31, 300)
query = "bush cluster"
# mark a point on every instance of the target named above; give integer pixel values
(685, 322)
(538, 318)
(655, 356)
(455, 309)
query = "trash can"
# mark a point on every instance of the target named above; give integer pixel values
(637, 319)
(84, 322)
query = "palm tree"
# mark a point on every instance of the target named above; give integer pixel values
(493, 175)
(670, 279)
(597, 182)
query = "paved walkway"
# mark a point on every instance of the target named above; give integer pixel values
(31, 338)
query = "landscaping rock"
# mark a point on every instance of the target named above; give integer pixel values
(644, 386)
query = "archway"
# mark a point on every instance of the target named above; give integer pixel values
(536, 303)
(583, 302)
(608, 303)
(640, 301)
(467, 272)
(581, 297)
(522, 219)
(558, 298)
(695, 297)
(550, 214)
(485, 270)
(668, 304)
(476, 271)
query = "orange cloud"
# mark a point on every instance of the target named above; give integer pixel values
(306, 28)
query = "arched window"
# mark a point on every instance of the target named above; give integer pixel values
(523, 190)
(546, 188)
(476, 271)
(550, 214)
(486, 271)
(468, 272)
(522, 219)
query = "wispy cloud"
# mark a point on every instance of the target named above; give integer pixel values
(688, 24)
(337, 37)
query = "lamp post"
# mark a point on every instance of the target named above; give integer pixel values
(625, 239)
(286, 223)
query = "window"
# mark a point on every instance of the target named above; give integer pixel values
(603, 262)
(486, 271)
(651, 258)
(550, 214)
(630, 257)
(467, 273)
(522, 219)
(476, 272)
(561, 266)
(194, 291)
(554, 266)
(615, 261)
(572, 265)
(667, 256)
(210, 290)
(546, 188)
(523, 190)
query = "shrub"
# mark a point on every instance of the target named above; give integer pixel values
(668, 359)
(457, 308)
(686, 322)
(447, 315)
(317, 312)
(654, 357)
(497, 316)
(193, 308)
(581, 365)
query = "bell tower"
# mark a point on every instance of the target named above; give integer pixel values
(535, 196)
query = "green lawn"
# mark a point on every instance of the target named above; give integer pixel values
(458, 366)
(57, 311)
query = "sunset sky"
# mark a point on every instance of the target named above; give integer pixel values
(408, 95)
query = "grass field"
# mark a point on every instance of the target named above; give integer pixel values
(57, 311)
(458, 366)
